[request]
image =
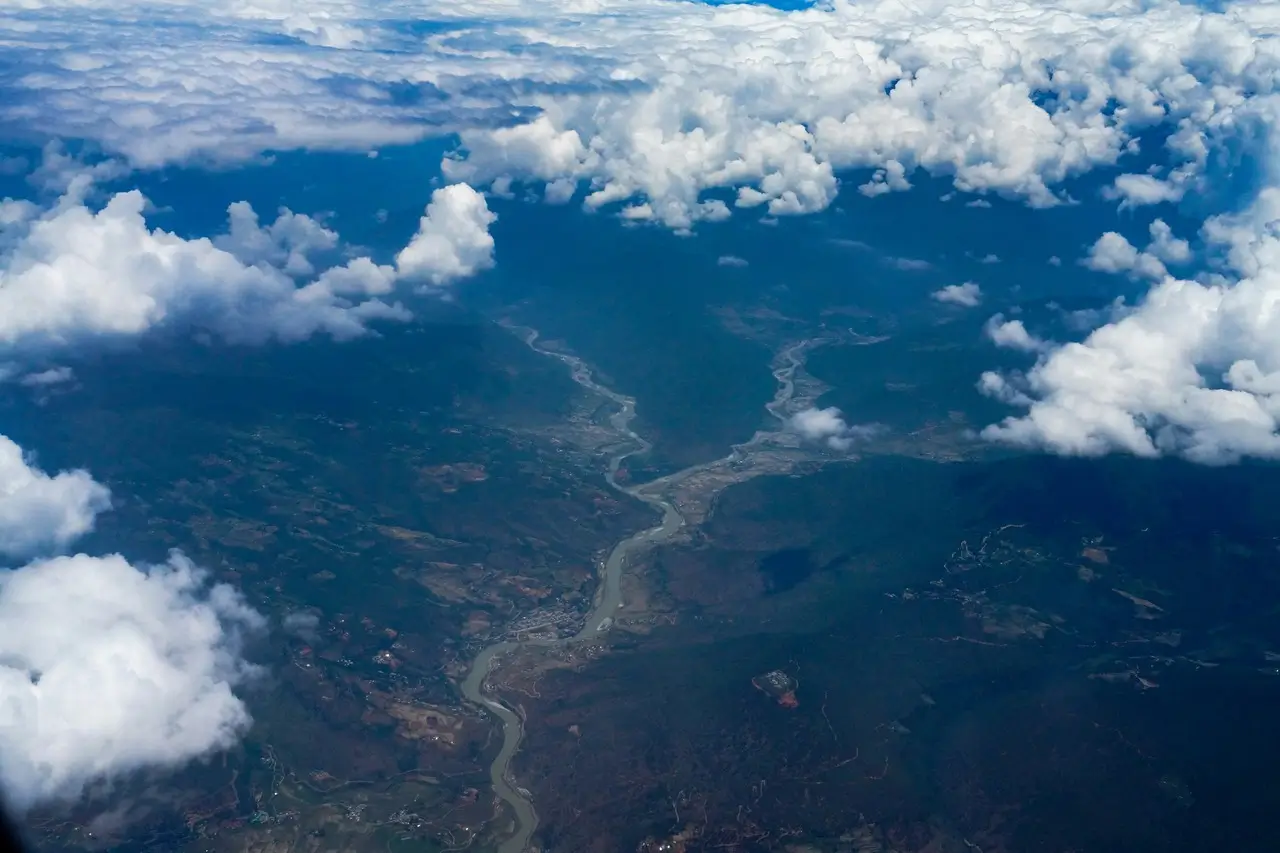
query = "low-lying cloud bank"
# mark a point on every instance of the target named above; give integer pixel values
(106, 667)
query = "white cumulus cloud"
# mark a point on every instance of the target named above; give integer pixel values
(287, 243)
(453, 239)
(966, 295)
(40, 511)
(1012, 334)
(1192, 370)
(1112, 253)
(1141, 190)
(74, 272)
(107, 668)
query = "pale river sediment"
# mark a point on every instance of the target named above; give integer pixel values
(609, 594)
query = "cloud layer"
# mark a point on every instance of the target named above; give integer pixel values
(652, 103)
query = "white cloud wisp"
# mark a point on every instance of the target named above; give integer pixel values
(828, 426)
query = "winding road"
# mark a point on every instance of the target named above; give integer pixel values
(609, 593)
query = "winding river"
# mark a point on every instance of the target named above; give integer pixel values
(609, 593)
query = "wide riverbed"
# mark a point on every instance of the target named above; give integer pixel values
(609, 593)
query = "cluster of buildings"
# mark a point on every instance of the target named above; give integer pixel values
(556, 620)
